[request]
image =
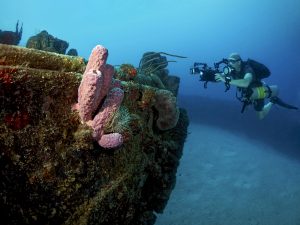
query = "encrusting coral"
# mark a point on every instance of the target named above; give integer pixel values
(165, 103)
(98, 85)
(75, 181)
(152, 71)
(10, 37)
(126, 72)
(46, 42)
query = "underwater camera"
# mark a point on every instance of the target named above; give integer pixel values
(207, 74)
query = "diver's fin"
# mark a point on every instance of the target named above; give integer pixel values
(279, 102)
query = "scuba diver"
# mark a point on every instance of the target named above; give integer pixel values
(246, 76)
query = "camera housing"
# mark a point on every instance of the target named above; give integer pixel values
(227, 70)
(207, 74)
(195, 70)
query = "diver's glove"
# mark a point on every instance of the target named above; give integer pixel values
(219, 77)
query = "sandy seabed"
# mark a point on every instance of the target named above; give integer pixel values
(228, 178)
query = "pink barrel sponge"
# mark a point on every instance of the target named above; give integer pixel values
(97, 86)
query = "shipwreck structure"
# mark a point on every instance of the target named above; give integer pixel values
(62, 163)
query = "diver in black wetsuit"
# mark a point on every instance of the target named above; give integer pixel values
(253, 90)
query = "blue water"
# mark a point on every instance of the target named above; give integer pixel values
(204, 31)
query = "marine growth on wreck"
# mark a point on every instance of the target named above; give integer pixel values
(62, 163)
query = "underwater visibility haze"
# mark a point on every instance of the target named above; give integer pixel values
(201, 30)
(235, 169)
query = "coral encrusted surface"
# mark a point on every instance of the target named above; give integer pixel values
(54, 172)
